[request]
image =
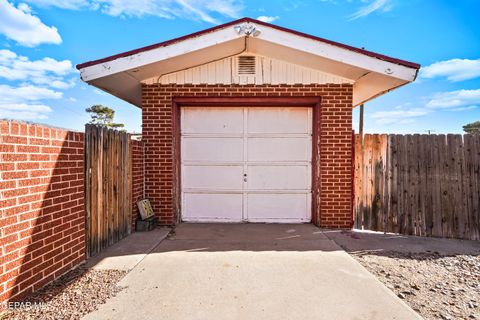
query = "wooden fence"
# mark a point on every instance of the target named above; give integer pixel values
(108, 191)
(424, 185)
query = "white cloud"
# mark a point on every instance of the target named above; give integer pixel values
(22, 102)
(24, 7)
(46, 71)
(376, 5)
(463, 108)
(63, 4)
(18, 24)
(457, 100)
(268, 19)
(204, 10)
(23, 111)
(191, 9)
(402, 114)
(63, 85)
(454, 70)
(24, 93)
(38, 80)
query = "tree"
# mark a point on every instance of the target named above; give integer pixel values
(103, 116)
(473, 127)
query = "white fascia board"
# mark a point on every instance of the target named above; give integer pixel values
(268, 34)
(140, 59)
(335, 53)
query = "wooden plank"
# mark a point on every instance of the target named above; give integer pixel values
(101, 199)
(428, 184)
(405, 184)
(422, 179)
(450, 187)
(475, 178)
(467, 183)
(452, 184)
(114, 178)
(108, 213)
(87, 188)
(117, 179)
(387, 201)
(412, 184)
(382, 180)
(111, 178)
(461, 222)
(358, 185)
(368, 176)
(129, 184)
(437, 191)
(420, 195)
(475, 181)
(372, 164)
(444, 190)
(400, 180)
(120, 185)
(393, 142)
(95, 208)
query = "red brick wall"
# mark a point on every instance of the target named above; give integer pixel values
(335, 134)
(42, 219)
(137, 178)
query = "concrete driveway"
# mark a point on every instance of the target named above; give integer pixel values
(251, 271)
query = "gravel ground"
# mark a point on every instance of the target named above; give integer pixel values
(70, 297)
(434, 285)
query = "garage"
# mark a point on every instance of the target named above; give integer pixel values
(246, 164)
(248, 121)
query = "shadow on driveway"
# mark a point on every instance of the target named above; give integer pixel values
(381, 244)
(251, 271)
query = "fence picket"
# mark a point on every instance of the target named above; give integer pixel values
(107, 187)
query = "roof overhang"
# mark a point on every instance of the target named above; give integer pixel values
(372, 74)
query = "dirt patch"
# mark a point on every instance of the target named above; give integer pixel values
(71, 296)
(434, 285)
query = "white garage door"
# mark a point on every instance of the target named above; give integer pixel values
(246, 164)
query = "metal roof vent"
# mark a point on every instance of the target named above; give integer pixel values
(246, 65)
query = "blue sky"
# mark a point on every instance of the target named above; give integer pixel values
(42, 40)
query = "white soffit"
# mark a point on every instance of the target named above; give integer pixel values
(264, 70)
(122, 75)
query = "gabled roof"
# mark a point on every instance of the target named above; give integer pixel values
(373, 73)
(246, 19)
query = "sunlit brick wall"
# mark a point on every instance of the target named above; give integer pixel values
(42, 222)
(334, 131)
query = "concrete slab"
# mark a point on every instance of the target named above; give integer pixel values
(376, 241)
(128, 252)
(251, 272)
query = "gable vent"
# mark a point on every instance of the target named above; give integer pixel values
(246, 65)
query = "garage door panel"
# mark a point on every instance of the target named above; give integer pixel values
(279, 120)
(228, 177)
(279, 177)
(212, 207)
(246, 164)
(212, 149)
(267, 207)
(279, 149)
(213, 120)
